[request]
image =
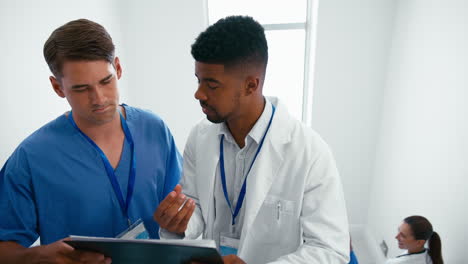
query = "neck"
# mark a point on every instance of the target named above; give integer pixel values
(102, 132)
(241, 125)
(415, 250)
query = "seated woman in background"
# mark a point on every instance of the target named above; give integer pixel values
(412, 236)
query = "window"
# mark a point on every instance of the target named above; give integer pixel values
(290, 34)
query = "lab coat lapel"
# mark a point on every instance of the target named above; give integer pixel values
(260, 180)
(208, 155)
(264, 172)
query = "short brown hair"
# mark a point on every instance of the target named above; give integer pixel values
(80, 39)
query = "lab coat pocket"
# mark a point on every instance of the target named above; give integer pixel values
(276, 220)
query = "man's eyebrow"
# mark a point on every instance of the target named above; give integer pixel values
(210, 80)
(107, 78)
(78, 86)
(207, 79)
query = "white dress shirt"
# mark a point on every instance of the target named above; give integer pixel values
(236, 165)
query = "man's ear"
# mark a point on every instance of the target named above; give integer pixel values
(118, 67)
(56, 86)
(251, 84)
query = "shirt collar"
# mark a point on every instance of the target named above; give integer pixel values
(415, 253)
(257, 131)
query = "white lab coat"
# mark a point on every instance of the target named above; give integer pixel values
(295, 169)
(418, 258)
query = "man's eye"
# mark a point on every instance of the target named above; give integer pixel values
(212, 85)
(79, 90)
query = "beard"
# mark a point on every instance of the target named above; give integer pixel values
(215, 119)
(213, 116)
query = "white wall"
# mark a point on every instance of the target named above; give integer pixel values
(351, 58)
(418, 56)
(28, 100)
(158, 63)
(152, 39)
(421, 163)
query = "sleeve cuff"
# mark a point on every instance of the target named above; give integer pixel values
(164, 234)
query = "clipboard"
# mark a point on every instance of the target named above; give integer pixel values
(150, 251)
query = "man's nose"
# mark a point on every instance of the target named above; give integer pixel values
(97, 95)
(199, 94)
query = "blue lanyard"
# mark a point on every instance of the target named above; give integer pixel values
(110, 170)
(244, 185)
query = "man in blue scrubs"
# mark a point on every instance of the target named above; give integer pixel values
(93, 171)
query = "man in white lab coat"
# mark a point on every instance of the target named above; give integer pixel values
(260, 183)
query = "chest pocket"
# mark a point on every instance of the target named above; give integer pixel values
(277, 220)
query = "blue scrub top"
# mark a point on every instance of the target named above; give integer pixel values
(352, 258)
(55, 184)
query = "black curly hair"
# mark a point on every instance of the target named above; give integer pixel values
(232, 41)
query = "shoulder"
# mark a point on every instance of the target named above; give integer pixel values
(296, 134)
(410, 259)
(41, 142)
(146, 124)
(48, 134)
(147, 128)
(402, 259)
(142, 116)
(203, 129)
(205, 126)
(202, 135)
(303, 133)
(303, 148)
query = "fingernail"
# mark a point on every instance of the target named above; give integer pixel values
(182, 196)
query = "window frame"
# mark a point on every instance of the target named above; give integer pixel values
(310, 27)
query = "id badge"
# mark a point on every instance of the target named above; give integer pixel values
(136, 231)
(228, 244)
